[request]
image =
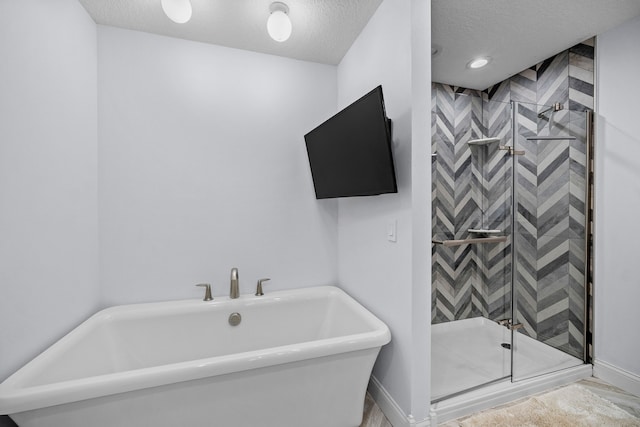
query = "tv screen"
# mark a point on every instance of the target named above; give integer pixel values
(350, 153)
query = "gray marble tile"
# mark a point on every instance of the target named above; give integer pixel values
(620, 398)
(472, 189)
(373, 416)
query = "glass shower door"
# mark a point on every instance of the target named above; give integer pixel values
(549, 231)
(471, 257)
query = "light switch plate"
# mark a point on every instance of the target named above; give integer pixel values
(392, 231)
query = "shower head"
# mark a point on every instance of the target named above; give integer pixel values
(555, 107)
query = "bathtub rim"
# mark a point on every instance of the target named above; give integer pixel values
(15, 397)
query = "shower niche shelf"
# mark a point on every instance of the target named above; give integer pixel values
(472, 241)
(483, 232)
(483, 141)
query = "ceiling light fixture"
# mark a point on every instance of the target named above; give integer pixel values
(179, 11)
(479, 62)
(279, 24)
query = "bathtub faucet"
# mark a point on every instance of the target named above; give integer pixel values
(235, 288)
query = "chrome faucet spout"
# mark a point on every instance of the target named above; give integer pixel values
(234, 292)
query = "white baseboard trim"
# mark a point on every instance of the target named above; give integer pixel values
(496, 394)
(391, 409)
(618, 377)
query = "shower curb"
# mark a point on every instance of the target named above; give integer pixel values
(505, 392)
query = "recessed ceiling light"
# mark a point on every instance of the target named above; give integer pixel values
(479, 62)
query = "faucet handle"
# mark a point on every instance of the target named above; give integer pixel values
(207, 291)
(259, 292)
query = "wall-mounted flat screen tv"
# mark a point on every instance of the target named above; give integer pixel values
(350, 153)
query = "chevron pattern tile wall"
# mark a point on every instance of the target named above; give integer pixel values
(457, 203)
(472, 189)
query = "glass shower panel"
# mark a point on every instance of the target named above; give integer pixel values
(549, 258)
(495, 168)
(471, 258)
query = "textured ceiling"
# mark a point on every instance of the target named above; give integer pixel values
(323, 30)
(516, 34)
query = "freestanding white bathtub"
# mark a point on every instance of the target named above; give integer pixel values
(298, 358)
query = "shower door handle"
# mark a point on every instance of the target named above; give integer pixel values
(507, 324)
(511, 150)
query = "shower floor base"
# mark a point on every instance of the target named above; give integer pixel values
(469, 353)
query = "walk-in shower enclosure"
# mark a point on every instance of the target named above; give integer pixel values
(511, 214)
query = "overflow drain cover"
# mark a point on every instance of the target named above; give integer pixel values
(506, 345)
(235, 319)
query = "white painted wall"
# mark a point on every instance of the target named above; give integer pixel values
(203, 167)
(48, 175)
(421, 209)
(383, 275)
(198, 165)
(617, 282)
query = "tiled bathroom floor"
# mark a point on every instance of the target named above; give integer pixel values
(620, 398)
(373, 417)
